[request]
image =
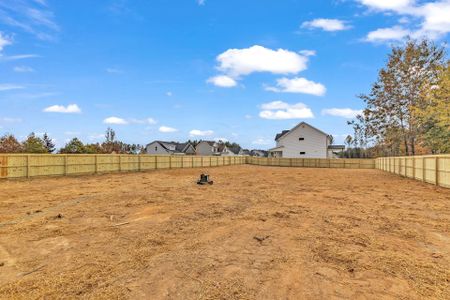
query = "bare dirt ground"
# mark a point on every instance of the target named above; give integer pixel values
(257, 233)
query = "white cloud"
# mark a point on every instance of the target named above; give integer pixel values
(248, 117)
(4, 41)
(196, 132)
(10, 120)
(298, 85)
(17, 57)
(221, 139)
(387, 34)
(239, 62)
(436, 17)
(222, 81)
(395, 5)
(96, 136)
(25, 15)
(169, 94)
(10, 86)
(201, 2)
(69, 109)
(326, 24)
(342, 112)
(308, 52)
(23, 69)
(149, 121)
(279, 110)
(166, 129)
(262, 141)
(430, 20)
(115, 121)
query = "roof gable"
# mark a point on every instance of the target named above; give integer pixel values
(286, 132)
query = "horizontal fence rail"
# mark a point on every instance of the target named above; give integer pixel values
(350, 163)
(33, 165)
(434, 169)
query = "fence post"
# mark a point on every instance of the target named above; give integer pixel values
(139, 163)
(437, 169)
(414, 166)
(65, 165)
(120, 163)
(170, 161)
(96, 164)
(28, 166)
(210, 161)
(423, 169)
(156, 162)
(193, 162)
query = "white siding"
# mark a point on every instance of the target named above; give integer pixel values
(155, 148)
(314, 144)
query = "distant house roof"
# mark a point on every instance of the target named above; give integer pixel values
(285, 132)
(281, 134)
(336, 147)
(173, 147)
(235, 150)
(276, 149)
(211, 143)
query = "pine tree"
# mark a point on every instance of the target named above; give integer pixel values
(48, 143)
(34, 144)
(74, 146)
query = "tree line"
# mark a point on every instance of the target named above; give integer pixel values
(408, 107)
(35, 144)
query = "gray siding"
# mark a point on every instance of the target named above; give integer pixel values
(314, 144)
(203, 148)
(155, 148)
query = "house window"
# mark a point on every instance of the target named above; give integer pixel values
(301, 139)
(156, 148)
(302, 153)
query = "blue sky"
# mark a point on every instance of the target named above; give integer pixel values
(173, 70)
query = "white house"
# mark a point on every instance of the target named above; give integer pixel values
(169, 148)
(303, 141)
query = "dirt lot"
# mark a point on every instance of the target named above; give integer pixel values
(257, 233)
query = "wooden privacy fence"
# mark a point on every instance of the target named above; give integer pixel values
(31, 165)
(350, 163)
(433, 169)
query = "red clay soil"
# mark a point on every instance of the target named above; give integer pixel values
(257, 233)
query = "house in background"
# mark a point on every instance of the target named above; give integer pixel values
(169, 148)
(303, 141)
(259, 153)
(207, 148)
(244, 152)
(335, 150)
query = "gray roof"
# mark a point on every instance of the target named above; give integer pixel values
(179, 147)
(336, 147)
(281, 134)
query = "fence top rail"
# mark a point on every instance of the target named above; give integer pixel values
(416, 156)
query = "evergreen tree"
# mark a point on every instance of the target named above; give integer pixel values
(48, 143)
(74, 146)
(34, 144)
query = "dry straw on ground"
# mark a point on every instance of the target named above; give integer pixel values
(257, 233)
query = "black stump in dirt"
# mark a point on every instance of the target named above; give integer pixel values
(204, 179)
